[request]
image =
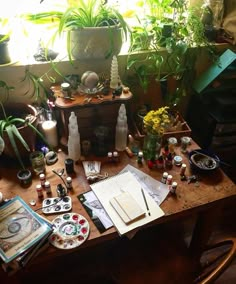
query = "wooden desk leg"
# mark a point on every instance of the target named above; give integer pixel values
(203, 229)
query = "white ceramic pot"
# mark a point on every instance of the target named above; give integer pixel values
(95, 43)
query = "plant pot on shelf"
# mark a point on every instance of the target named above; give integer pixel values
(20, 110)
(96, 42)
(4, 51)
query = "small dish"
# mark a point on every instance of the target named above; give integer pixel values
(203, 161)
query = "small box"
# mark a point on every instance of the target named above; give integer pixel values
(185, 131)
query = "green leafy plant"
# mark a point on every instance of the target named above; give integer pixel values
(167, 44)
(9, 125)
(4, 36)
(84, 14)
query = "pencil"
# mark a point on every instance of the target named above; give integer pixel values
(145, 200)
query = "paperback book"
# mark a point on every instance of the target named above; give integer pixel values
(20, 229)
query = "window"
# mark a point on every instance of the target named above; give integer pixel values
(32, 33)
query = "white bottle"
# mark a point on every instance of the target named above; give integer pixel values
(121, 129)
(74, 148)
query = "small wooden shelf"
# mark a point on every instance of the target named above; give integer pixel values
(81, 99)
(99, 110)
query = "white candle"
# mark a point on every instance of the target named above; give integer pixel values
(50, 132)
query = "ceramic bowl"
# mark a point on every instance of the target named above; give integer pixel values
(203, 161)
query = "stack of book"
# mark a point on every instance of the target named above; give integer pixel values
(23, 234)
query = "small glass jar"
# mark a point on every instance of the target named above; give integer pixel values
(66, 90)
(37, 162)
(185, 141)
(178, 160)
(172, 142)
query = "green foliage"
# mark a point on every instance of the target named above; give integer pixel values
(91, 13)
(10, 125)
(37, 90)
(4, 25)
(173, 35)
(6, 88)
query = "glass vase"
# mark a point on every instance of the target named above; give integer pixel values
(152, 146)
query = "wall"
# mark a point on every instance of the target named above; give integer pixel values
(14, 74)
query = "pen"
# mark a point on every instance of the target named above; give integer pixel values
(145, 200)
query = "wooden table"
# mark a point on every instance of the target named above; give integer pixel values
(213, 191)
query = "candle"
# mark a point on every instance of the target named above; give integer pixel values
(50, 132)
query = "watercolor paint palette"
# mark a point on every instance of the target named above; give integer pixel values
(70, 231)
(56, 205)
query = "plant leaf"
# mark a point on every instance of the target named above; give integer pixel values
(10, 129)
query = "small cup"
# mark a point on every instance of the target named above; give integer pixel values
(37, 162)
(185, 141)
(24, 177)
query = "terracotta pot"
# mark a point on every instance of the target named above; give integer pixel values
(21, 110)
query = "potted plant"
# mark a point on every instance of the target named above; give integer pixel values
(4, 51)
(4, 40)
(93, 29)
(18, 128)
(166, 45)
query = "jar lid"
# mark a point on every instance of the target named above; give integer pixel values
(65, 85)
(186, 139)
(172, 140)
(178, 160)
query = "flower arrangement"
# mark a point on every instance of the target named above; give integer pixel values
(157, 121)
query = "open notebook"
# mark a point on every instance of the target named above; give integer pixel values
(125, 190)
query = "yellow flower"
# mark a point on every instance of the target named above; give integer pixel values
(156, 121)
